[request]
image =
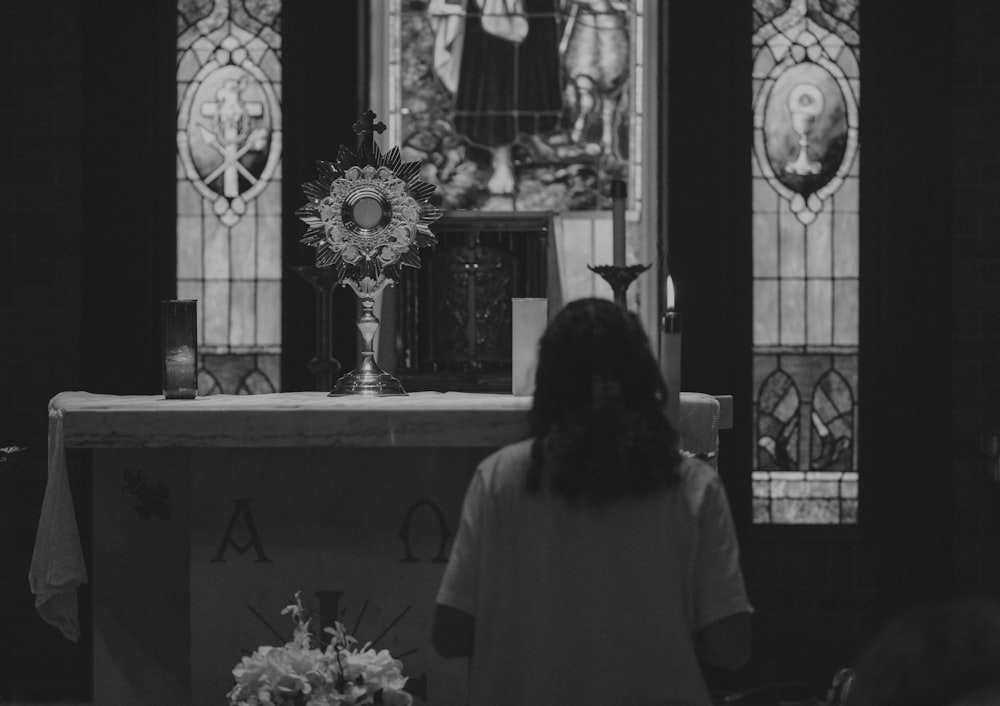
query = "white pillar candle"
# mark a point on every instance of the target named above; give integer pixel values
(529, 317)
(670, 354)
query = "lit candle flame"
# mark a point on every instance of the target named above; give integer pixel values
(670, 293)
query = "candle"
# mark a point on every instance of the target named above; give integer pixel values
(529, 317)
(180, 373)
(618, 193)
(670, 354)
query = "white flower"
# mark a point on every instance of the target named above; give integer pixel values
(378, 668)
(394, 697)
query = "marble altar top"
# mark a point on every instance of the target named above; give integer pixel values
(291, 419)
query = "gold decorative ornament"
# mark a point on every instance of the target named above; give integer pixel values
(368, 214)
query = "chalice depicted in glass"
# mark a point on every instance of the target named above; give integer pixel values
(805, 101)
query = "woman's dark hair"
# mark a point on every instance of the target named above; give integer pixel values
(598, 417)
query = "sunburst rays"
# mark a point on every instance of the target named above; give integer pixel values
(371, 256)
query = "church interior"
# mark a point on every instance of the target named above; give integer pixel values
(89, 248)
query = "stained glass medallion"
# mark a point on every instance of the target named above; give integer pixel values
(805, 171)
(229, 188)
(532, 111)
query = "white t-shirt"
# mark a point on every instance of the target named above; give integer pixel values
(579, 606)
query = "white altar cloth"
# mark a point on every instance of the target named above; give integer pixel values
(296, 419)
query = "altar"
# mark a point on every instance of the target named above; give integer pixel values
(209, 514)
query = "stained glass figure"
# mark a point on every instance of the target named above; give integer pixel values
(526, 106)
(229, 188)
(805, 165)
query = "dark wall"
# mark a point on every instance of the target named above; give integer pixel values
(974, 318)
(41, 281)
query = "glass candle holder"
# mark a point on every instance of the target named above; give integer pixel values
(179, 318)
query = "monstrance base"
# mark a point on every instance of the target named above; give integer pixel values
(371, 383)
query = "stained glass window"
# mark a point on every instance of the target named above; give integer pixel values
(805, 167)
(229, 188)
(531, 111)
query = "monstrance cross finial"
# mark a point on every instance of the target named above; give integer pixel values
(365, 128)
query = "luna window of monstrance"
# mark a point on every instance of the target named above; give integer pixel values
(368, 215)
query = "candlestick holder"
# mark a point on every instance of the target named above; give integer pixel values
(670, 322)
(620, 278)
(322, 365)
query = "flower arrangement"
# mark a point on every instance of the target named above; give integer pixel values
(299, 674)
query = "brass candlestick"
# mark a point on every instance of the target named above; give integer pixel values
(620, 278)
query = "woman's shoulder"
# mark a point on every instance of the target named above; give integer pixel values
(507, 464)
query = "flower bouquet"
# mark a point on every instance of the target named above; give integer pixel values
(298, 674)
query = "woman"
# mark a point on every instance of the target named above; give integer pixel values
(594, 564)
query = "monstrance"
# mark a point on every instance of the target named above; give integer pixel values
(368, 214)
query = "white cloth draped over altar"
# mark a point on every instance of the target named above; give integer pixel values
(208, 514)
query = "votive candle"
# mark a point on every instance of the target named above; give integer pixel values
(179, 320)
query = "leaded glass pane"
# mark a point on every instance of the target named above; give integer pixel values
(819, 246)
(533, 110)
(764, 198)
(845, 312)
(765, 311)
(819, 312)
(242, 250)
(793, 311)
(845, 243)
(229, 188)
(765, 245)
(806, 86)
(792, 246)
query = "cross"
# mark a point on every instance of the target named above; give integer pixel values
(365, 128)
(229, 109)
